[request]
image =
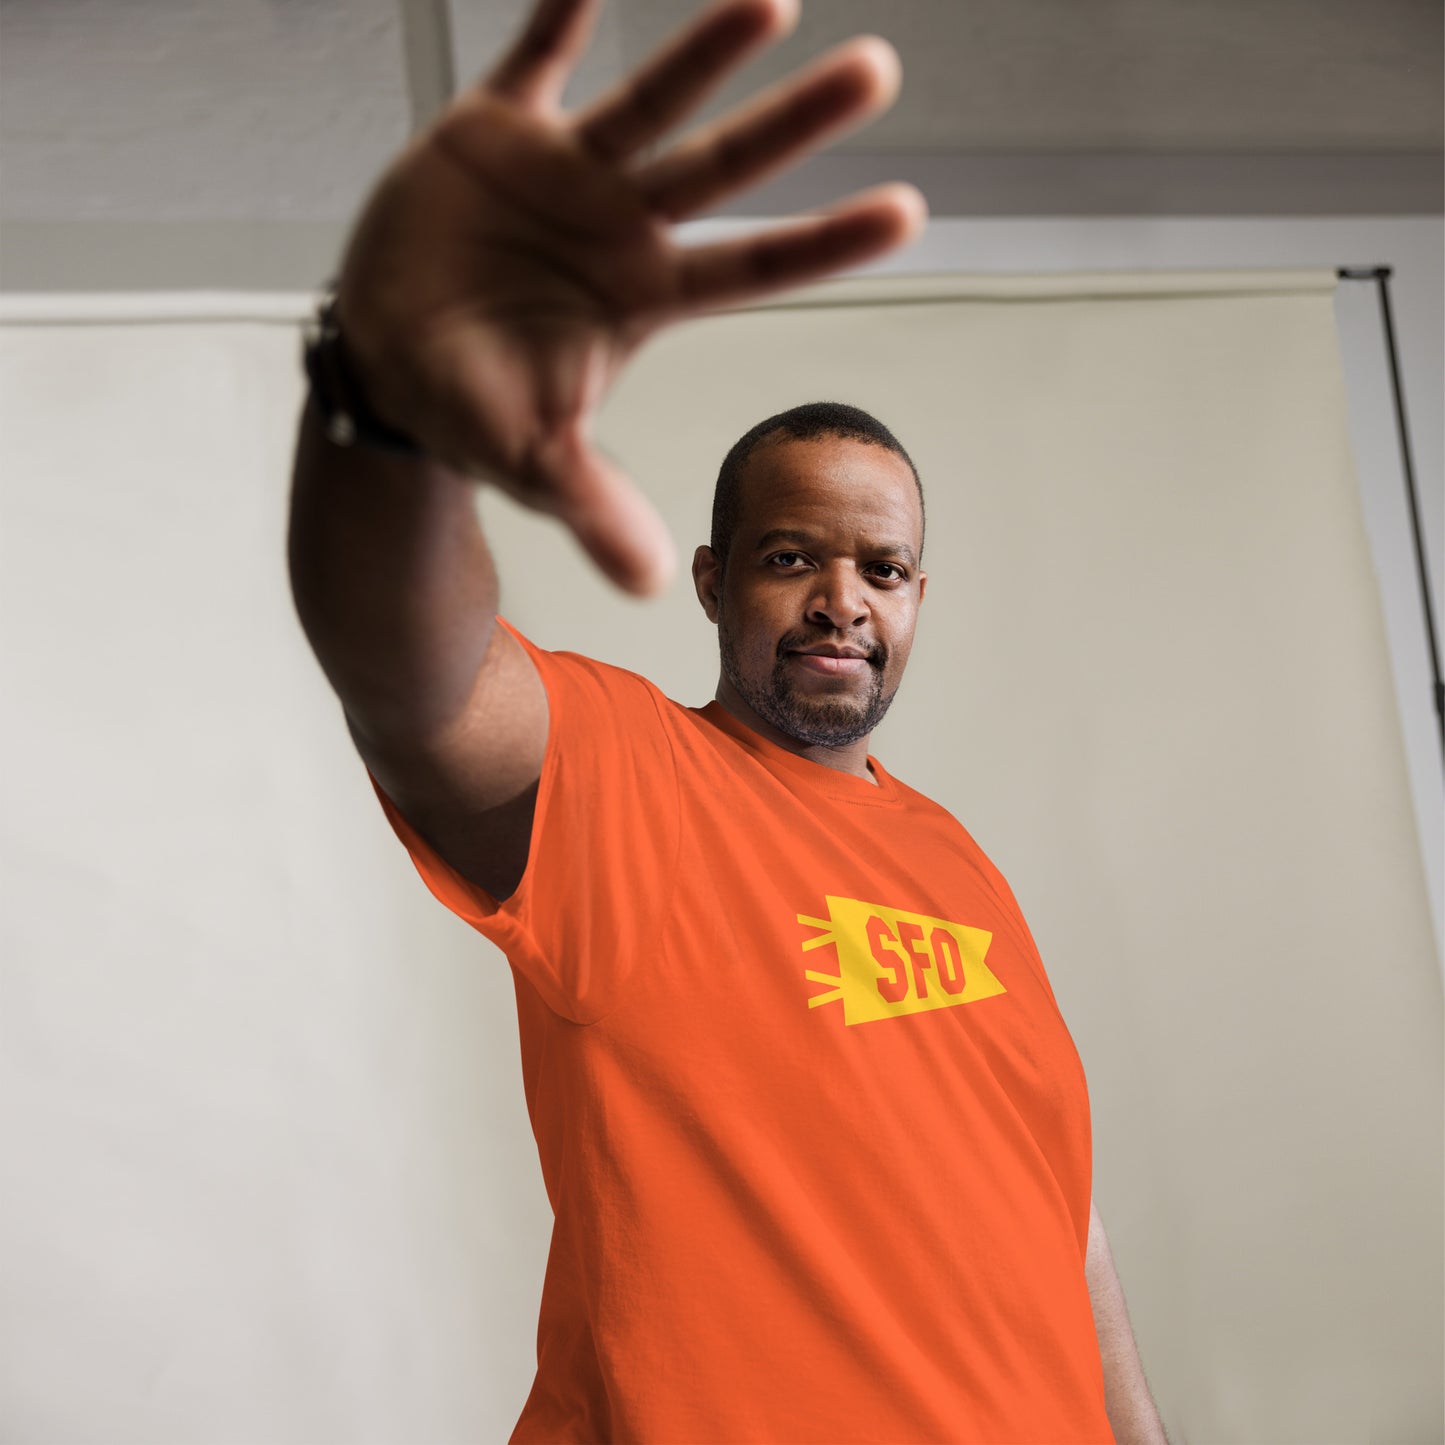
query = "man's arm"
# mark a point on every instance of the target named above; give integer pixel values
(1131, 1409)
(507, 264)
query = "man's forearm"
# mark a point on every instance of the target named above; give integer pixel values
(393, 582)
(1130, 1407)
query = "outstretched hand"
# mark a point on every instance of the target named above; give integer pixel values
(513, 257)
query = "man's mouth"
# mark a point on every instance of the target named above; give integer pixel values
(830, 666)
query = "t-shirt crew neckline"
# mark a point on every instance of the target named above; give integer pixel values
(845, 787)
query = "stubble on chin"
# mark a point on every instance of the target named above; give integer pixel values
(818, 719)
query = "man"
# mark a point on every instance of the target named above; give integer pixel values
(815, 1135)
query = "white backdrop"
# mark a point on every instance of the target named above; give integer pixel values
(268, 1173)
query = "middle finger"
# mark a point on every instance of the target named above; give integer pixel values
(850, 85)
(678, 78)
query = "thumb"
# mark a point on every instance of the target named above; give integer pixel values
(618, 527)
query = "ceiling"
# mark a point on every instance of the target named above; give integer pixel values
(1086, 75)
(277, 113)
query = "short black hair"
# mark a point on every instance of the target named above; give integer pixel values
(799, 423)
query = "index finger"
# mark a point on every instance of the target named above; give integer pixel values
(534, 72)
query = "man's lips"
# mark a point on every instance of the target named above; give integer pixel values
(830, 666)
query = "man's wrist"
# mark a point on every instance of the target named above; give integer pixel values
(336, 392)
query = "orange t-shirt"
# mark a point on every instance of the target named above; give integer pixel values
(814, 1132)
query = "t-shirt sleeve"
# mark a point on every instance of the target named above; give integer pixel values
(604, 845)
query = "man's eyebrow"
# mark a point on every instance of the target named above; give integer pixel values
(900, 550)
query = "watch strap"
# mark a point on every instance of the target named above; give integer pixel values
(340, 401)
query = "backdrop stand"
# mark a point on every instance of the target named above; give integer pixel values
(1381, 275)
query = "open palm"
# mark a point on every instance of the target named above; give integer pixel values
(513, 257)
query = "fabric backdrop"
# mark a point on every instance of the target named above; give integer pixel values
(267, 1170)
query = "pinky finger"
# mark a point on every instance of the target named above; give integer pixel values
(726, 273)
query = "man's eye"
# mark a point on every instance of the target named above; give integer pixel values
(900, 576)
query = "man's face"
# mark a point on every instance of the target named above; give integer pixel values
(845, 575)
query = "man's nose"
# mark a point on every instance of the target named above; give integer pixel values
(838, 597)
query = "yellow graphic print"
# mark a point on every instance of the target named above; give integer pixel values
(892, 962)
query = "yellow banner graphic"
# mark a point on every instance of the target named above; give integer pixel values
(892, 962)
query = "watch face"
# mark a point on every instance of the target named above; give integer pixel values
(320, 322)
(345, 416)
(319, 317)
(337, 425)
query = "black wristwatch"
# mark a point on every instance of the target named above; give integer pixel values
(337, 395)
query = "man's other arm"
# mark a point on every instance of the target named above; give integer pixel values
(1132, 1413)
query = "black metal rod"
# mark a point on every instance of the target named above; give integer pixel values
(1381, 275)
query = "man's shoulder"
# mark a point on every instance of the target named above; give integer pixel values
(568, 662)
(931, 812)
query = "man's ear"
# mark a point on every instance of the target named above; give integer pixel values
(707, 578)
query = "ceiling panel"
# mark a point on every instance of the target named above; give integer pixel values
(280, 112)
(183, 109)
(991, 76)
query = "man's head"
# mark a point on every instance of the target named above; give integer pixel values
(817, 541)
